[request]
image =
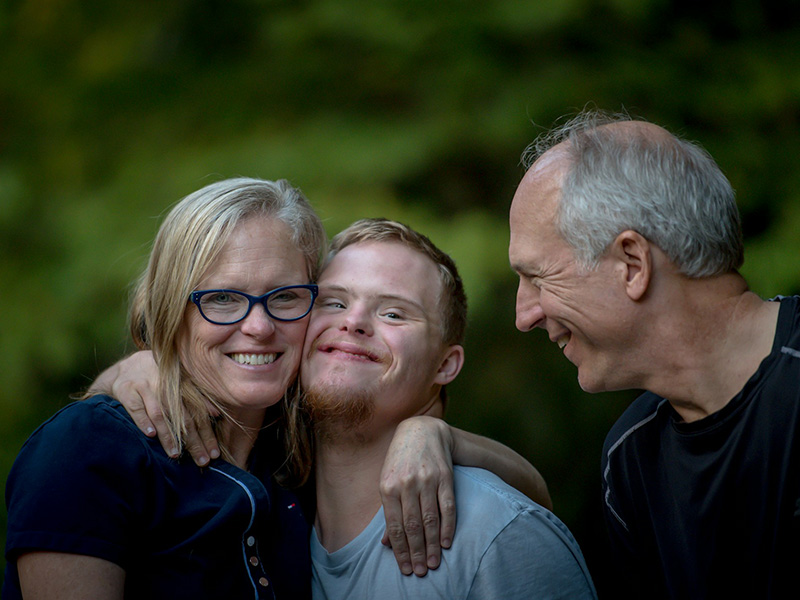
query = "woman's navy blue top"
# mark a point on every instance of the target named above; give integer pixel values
(89, 482)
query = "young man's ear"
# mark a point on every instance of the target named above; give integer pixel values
(635, 262)
(451, 365)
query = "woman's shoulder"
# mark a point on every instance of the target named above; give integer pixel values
(79, 482)
(96, 430)
(96, 411)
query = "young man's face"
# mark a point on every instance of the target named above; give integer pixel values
(375, 331)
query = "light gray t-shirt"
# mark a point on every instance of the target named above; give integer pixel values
(505, 546)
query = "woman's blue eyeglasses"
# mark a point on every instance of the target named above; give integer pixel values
(226, 307)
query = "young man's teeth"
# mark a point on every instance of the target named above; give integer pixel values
(254, 359)
(562, 341)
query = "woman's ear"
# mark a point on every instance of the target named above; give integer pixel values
(635, 260)
(451, 365)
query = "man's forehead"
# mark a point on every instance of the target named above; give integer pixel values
(532, 218)
(552, 164)
(399, 263)
(387, 271)
(540, 189)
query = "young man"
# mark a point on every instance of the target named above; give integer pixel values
(627, 243)
(383, 342)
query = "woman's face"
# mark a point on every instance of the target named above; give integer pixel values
(248, 365)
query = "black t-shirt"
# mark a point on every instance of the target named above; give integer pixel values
(711, 509)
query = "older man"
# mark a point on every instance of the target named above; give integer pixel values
(627, 242)
(383, 342)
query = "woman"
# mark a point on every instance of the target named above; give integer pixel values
(96, 510)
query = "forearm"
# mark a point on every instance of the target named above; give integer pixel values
(104, 381)
(60, 576)
(473, 450)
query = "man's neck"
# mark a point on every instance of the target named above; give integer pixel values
(347, 472)
(710, 349)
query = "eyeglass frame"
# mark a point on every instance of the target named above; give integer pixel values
(196, 296)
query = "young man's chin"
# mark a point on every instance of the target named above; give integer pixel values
(339, 406)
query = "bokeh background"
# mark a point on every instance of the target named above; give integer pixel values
(110, 111)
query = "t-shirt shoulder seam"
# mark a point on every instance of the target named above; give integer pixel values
(620, 440)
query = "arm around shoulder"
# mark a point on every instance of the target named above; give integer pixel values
(133, 381)
(417, 485)
(472, 450)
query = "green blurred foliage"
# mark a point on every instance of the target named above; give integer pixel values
(111, 111)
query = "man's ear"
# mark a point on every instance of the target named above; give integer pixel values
(451, 365)
(635, 260)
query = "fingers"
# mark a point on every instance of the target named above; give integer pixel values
(430, 526)
(134, 404)
(200, 441)
(417, 492)
(195, 446)
(139, 399)
(415, 536)
(438, 519)
(413, 528)
(133, 383)
(395, 535)
(418, 528)
(153, 408)
(447, 513)
(206, 432)
(209, 439)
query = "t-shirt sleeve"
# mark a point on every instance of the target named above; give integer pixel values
(534, 556)
(632, 572)
(79, 485)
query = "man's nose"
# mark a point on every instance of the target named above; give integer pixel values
(529, 309)
(357, 320)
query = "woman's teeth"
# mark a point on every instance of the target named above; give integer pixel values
(254, 359)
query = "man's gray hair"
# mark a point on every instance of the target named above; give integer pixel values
(668, 190)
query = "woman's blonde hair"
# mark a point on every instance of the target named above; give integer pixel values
(189, 240)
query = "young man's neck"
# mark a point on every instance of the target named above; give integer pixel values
(347, 473)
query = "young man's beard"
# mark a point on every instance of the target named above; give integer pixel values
(338, 411)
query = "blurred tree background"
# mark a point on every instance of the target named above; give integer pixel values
(415, 110)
